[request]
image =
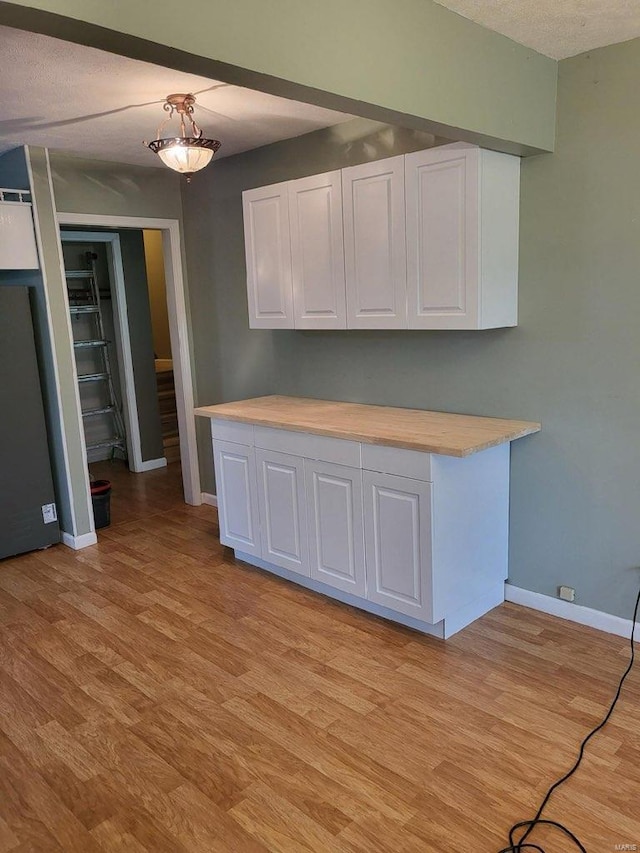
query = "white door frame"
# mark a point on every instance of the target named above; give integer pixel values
(178, 331)
(123, 340)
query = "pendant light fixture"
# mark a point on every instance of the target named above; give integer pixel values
(185, 153)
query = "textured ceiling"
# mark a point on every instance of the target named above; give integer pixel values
(96, 104)
(556, 28)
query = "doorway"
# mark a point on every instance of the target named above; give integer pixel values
(178, 331)
(162, 353)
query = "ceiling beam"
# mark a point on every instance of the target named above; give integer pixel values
(407, 62)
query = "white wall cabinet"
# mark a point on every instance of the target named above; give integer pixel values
(17, 237)
(415, 537)
(462, 238)
(317, 252)
(268, 252)
(295, 254)
(374, 242)
(335, 521)
(427, 240)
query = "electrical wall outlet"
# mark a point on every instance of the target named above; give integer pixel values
(49, 513)
(567, 593)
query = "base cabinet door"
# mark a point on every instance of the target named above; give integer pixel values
(397, 521)
(281, 498)
(237, 491)
(336, 543)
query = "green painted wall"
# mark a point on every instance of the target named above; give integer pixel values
(83, 185)
(572, 363)
(110, 189)
(409, 62)
(69, 464)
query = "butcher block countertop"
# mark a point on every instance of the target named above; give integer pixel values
(413, 429)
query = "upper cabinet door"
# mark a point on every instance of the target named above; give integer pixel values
(462, 238)
(268, 254)
(317, 252)
(375, 250)
(442, 237)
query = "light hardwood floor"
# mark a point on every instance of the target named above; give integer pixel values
(156, 696)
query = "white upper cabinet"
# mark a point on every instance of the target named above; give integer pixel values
(317, 252)
(17, 238)
(268, 252)
(462, 238)
(375, 251)
(427, 240)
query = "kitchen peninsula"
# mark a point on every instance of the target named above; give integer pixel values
(401, 512)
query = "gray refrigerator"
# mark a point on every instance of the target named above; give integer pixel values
(28, 515)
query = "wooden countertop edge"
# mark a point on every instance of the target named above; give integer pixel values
(351, 435)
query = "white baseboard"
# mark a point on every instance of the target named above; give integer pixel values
(152, 464)
(567, 610)
(209, 499)
(79, 542)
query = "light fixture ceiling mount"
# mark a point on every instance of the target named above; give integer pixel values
(189, 152)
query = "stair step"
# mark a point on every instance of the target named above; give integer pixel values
(102, 410)
(95, 343)
(112, 442)
(83, 309)
(92, 377)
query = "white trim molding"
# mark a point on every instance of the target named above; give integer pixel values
(123, 339)
(152, 464)
(79, 542)
(567, 610)
(178, 331)
(209, 499)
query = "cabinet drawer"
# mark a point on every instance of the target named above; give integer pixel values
(396, 460)
(235, 431)
(338, 450)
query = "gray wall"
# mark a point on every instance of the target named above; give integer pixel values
(572, 363)
(140, 332)
(108, 189)
(13, 170)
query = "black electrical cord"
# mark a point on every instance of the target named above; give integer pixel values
(517, 846)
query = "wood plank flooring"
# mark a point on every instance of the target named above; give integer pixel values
(157, 696)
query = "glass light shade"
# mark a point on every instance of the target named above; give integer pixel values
(185, 159)
(185, 154)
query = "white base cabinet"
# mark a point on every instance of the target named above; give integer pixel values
(397, 523)
(237, 496)
(283, 516)
(415, 537)
(335, 525)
